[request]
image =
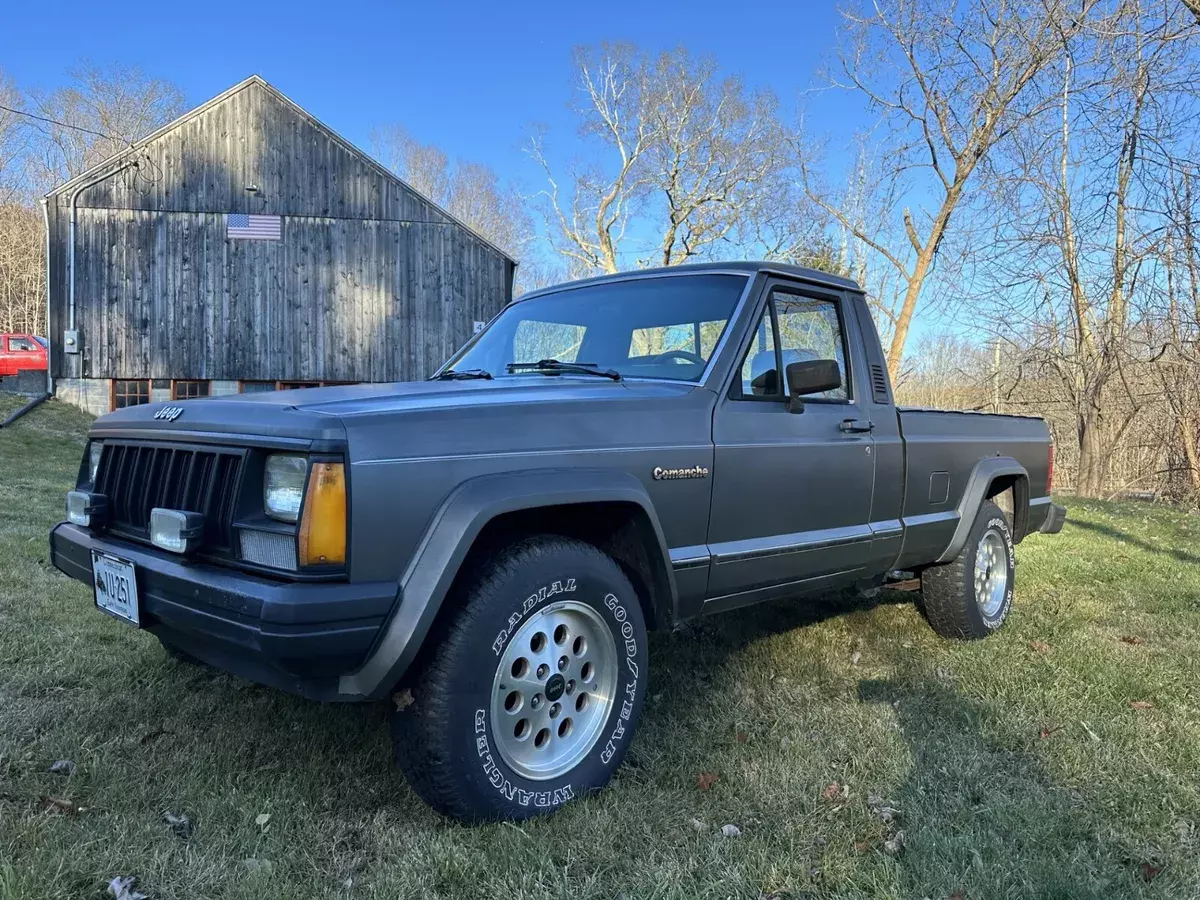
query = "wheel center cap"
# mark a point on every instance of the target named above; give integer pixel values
(555, 687)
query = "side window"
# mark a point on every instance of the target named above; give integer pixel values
(20, 345)
(759, 378)
(810, 329)
(534, 341)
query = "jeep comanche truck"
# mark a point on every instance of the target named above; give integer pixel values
(487, 549)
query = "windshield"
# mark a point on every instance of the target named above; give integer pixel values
(664, 327)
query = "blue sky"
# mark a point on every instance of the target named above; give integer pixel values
(470, 77)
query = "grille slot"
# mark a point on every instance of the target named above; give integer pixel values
(136, 478)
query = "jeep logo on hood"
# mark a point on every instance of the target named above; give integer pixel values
(169, 413)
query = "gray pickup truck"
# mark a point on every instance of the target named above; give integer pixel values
(489, 548)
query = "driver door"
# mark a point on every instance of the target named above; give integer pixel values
(792, 491)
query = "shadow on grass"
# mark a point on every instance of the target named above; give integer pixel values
(1119, 535)
(981, 815)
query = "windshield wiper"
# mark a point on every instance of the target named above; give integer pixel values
(464, 375)
(556, 367)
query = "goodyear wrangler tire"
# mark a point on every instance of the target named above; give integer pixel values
(971, 596)
(531, 696)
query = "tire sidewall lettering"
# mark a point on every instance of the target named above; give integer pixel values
(1000, 524)
(513, 788)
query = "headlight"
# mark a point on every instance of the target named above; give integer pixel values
(95, 448)
(283, 486)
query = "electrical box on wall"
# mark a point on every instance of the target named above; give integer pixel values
(71, 341)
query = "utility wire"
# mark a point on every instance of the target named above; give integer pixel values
(21, 112)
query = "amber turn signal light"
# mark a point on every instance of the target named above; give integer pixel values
(323, 526)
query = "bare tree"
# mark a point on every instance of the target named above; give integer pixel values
(1079, 260)
(469, 191)
(14, 140)
(950, 80)
(99, 113)
(669, 144)
(22, 270)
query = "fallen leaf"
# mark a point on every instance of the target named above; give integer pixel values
(403, 699)
(895, 846)
(57, 805)
(121, 888)
(862, 847)
(1038, 647)
(707, 780)
(1149, 872)
(262, 819)
(958, 895)
(741, 737)
(1047, 731)
(260, 865)
(855, 657)
(153, 735)
(63, 767)
(831, 792)
(697, 825)
(1131, 639)
(731, 831)
(180, 824)
(1142, 704)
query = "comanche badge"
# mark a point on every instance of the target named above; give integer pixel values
(661, 474)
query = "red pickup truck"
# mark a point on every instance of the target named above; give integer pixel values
(22, 351)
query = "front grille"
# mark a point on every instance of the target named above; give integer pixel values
(137, 477)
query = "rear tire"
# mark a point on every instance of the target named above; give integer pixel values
(530, 697)
(971, 596)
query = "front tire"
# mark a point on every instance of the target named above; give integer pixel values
(971, 596)
(532, 694)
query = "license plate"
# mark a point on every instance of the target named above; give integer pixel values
(116, 586)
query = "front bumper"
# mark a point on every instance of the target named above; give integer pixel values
(298, 637)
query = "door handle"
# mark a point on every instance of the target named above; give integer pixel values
(855, 426)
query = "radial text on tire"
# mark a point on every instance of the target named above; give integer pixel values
(530, 697)
(971, 596)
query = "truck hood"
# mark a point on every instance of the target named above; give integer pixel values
(429, 418)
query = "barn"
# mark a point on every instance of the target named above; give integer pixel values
(245, 247)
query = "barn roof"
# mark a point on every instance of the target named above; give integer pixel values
(84, 177)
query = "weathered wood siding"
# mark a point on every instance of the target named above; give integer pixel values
(370, 282)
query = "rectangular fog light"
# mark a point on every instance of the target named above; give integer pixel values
(86, 509)
(176, 530)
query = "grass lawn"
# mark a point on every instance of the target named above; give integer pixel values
(1060, 758)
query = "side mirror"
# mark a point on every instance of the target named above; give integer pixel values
(811, 377)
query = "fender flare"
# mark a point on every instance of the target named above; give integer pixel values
(985, 472)
(448, 539)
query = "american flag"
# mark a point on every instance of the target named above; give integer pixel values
(240, 226)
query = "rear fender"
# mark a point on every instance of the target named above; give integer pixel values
(983, 476)
(449, 538)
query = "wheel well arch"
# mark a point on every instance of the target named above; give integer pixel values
(620, 528)
(1011, 493)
